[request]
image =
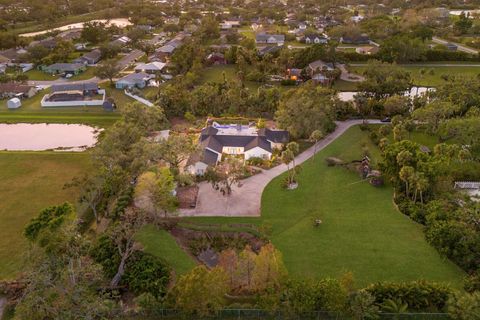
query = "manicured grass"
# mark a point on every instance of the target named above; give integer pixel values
(361, 229)
(160, 243)
(29, 182)
(342, 85)
(32, 111)
(39, 75)
(86, 75)
(435, 79)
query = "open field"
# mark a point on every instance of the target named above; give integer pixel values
(215, 74)
(160, 243)
(434, 79)
(362, 231)
(29, 182)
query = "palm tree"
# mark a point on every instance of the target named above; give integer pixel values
(287, 157)
(316, 136)
(406, 174)
(421, 185)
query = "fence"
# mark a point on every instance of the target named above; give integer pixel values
(257, 314)
(139, 99)
(76, 103)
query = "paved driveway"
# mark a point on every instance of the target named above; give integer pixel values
(245, 200)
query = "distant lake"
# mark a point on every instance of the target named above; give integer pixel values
(43, 136)
(119, 22)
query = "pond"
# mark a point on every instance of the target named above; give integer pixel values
(43, 136)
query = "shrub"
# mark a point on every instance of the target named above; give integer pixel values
(420, 296)
(288, 82)
(472, 282)
(49, 218)
(144, 273)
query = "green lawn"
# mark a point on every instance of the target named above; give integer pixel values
(362, 231)
(435, 79)
(215, 74)
(39, 75)
(160, 243)
(29, 182)
(32, 111)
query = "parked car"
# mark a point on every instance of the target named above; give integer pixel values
(387, 119)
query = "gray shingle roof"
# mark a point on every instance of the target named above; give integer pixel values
(81, 86)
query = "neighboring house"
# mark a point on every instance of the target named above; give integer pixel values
(318, 66)
(164, 52)
(367, 50)
(3, 68)
(134, 80)
(315, 39)
(361, 39)
(49, 43)
(216, 58)
(294, 74)
(248, 141)
(67, 68)
(264, 38)
(121, 41)
(150, 68)
(15, 90)
(12, 55)
(268, 49)
(472, 188)
(88, 88)
(90, 58)
(451, 47)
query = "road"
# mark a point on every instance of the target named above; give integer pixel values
(460, 46)
(245, 200)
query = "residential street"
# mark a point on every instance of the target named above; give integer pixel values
(460, 47)
(245, 200)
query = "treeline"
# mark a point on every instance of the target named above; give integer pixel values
(424, 179)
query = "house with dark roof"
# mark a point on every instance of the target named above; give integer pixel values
(67, 68)
(360, 39)
(85, 87)
(91, 57)
(315, 38)
(11, 90)
(234, 139)
(265, 38)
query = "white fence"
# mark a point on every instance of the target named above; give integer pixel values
(139, 99)
(78, 103)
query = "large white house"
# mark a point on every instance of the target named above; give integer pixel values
(234, 139)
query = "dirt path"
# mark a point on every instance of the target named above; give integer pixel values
(245, 200)
(3, 304)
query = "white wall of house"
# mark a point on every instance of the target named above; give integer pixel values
(257, 152)
(233, 150)
(198, 169)
(274, 145)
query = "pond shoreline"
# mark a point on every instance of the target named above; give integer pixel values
(47, 137)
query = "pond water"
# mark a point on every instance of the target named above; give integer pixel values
(43, 136)
(119, 22)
